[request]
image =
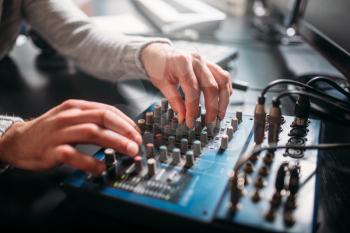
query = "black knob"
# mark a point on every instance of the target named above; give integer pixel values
(281, 174)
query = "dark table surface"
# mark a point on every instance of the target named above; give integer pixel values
(31, 84)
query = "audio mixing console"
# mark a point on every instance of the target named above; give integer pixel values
(183, 175)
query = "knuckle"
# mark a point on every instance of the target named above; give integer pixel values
(90, 130)
(64, 154)
(182, 58)
(214, 88)
(197, 56)
(71, 103)
(226, 79)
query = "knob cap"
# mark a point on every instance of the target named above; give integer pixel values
(138, 164)
(204, 138)
(189, 159)
(239, 116)
(196, 148)
(234, 124)
(110, 158)
(184, 145)
(163, 154)
(151, 164)
(229, 132)
(224, 142)
(150, 150)
(176, 155)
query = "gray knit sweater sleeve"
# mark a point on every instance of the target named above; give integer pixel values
(105, 54)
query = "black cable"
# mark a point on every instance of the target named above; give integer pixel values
(296, 83)
(329, 82)
(324, 146)
(287, 81)
(276, 100)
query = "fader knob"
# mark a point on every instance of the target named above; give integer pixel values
(163, 154)
(171, 143)
(280, 176)
(239, 116)
(204, 138)
(234, 124)
(229, 132)
(149, 121)
(224, 142)
(164, 105)
(198, 127)
(109, 157)
(151, 165)
(138, 164)
(150, 150)
(196, 148)
(189, 159)
(157, 114)
(176, 155)
(184, 145)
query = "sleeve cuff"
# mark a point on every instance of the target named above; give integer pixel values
(132, 58)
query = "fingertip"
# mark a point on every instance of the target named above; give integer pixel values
(132, 148)
(180, 117)
(221, 115)
(190, 122)
(138, 139)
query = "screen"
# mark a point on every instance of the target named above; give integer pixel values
(325, 25)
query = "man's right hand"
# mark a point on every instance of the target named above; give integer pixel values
(48, 141)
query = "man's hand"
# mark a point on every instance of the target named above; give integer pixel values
(48, 141)
(168, 68)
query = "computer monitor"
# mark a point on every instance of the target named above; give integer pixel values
(284, 11)
(325, 25)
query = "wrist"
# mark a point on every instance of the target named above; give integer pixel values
(154, 58)
(6, 124)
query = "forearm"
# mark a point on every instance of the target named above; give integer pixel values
(105, 54)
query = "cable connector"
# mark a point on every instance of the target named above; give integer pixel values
(259, 122)
(274, 123)
(302, 110)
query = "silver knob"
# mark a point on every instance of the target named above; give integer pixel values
(229, 132)
(151, 164)
(224, 142)
(204, 138)
(176, 155)
(184, 145)
(234, 124)
(163, 154)
(239, 116)
(110, 159)
(196, 148)
(138, 164)
(189, 159)
(149, 150)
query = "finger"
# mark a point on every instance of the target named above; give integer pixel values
(104, 118)
(89, 133)
(210, 89)
(190, 87)
(224, 82)
(86, 105)
(176, 102)
(66, 154)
